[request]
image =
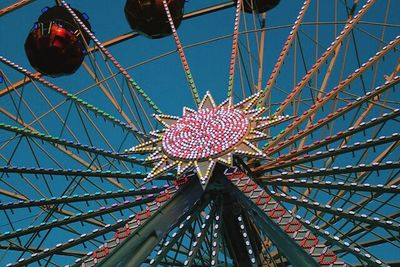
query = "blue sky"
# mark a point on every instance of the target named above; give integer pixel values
(164, 81)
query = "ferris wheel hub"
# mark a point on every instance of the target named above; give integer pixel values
(206, 133)
(199, 140)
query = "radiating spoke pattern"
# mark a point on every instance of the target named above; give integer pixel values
(317, 186)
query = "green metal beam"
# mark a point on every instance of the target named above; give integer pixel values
(134, 251)
(296, 255)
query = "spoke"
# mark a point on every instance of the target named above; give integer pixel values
(332, 152)
(375, 221)
(46, 209)
(216, 236)
(122, 38)
(334, 93)
(324, 190)
(168, 244)
(79, 198)
(64, 150)
(333, 138)
(365, 200)
(164, 214)
(73, 253)
(70, 172)
(113, 60)
(359, 229)
(342, 244)
(71, 96)
(313, 205)
(283, 233)
(78, 217)
(200, 236)
(265, 202)
(12, 195)
(127, 227)
(249, 248)
(336, 170)
(108, 93)
(185, 64)
(322, 89)
(66, 143)
(347, 29)
(71, 243)
(285, 50)
(370, 243)
(234, 50)
(261, 49)
(380, 188)
(14, 6)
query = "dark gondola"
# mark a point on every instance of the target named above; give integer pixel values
(148, 17)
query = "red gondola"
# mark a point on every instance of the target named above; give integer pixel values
(55, 46)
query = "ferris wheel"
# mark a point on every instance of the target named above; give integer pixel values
(199, 133)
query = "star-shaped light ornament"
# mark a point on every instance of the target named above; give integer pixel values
(200, 139)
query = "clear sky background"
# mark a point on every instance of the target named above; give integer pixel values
(163, 79)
